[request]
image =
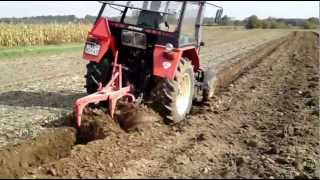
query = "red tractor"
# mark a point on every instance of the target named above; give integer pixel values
(148, 52)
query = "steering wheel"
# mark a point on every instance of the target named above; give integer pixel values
(143, 24)
(167, 25)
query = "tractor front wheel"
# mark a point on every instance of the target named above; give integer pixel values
(173, 98)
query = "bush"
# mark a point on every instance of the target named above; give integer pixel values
(309, 25)
(277, 25)
(237, 23)
(253, 22)
(265, 24)
(313, 20)
(226, 21)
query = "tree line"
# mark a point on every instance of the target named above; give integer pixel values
(61, 19)
(251, 22)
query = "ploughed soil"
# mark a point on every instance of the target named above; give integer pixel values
(265, 124)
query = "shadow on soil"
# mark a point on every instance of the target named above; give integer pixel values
(62, 99)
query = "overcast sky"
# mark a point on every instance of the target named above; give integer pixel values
(237, 9)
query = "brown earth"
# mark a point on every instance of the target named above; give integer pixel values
(230, 70)
(54, 144)
(40, 89)
(264, 125)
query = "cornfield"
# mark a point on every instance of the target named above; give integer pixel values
(21, 35)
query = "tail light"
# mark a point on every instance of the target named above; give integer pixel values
(170, 53)
(94, 39)
(169, 48)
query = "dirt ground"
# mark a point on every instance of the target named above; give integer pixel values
(263, 125)
(38, 90)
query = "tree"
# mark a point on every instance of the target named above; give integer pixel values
(273, 24)
(313, 20)
(265, 24)
(311, 23)
(226, 20)
(237, 23)
(253, 22)
(89, 19)
(208, 21)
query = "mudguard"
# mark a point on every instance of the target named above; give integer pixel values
(100, 34)
(209, 83)
(165, 64)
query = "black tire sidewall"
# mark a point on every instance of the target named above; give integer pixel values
(91, 87)
(105, 70)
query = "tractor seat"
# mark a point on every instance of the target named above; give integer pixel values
(149, 19)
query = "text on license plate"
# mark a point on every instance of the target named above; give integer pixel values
(92, 49)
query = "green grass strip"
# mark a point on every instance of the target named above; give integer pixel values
(14, 53)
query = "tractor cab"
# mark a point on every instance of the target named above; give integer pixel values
(152, 49)
(169, 21)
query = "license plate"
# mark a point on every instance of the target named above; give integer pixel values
(92, 49)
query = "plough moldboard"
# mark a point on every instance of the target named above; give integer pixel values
(112, 92)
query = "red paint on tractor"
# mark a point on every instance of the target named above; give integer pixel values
(193, 56)
(101, 34)
(165, 63)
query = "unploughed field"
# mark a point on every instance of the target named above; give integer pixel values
(265, 124)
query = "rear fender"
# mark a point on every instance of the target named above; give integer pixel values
(165, 64)
(101, 34)
(192, 55)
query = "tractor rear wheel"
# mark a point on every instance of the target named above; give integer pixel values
(173, 98)
(96, 73)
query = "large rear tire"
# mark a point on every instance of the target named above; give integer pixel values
(173, 98)
(96, 73)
